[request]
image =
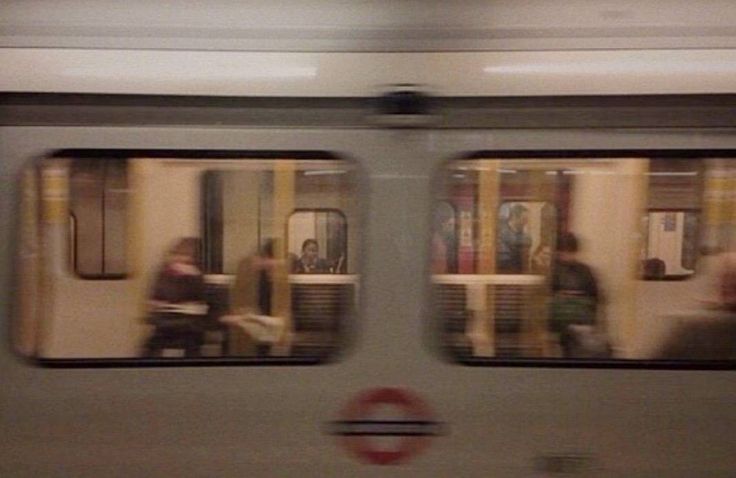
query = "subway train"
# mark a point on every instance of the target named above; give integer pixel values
(368, 239)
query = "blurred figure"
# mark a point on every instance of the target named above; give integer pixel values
(444, 241)
(712, 334)
(310, 262)
(250, 303)
(575, 297)
(177, 305)
(513, 242)
(254, 282)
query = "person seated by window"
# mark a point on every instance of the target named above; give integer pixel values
(710, 335)
(310, 262)
(575, 295)
(177, 304)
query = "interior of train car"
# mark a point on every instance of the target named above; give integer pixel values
(599, 257)
(196, 255)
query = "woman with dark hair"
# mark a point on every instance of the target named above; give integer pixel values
(310, 262)
(177, 303)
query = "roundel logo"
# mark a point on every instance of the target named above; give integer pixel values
(386, 426)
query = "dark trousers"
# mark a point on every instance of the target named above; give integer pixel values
(174, 331)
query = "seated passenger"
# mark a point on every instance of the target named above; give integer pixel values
(712, 334)
(310, 262)
(177, 305)
(575, 294)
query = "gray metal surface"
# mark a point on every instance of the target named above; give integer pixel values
(270, 421)
(378, 25)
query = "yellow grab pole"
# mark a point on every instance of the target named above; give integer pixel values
(284, 191)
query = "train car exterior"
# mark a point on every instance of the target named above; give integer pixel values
(443, 165)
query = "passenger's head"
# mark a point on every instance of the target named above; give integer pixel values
(567, 246)
(310, 250)
(518, 216)
(185, 250)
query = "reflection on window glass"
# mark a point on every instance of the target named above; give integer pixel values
(551, 252)
(226, 257)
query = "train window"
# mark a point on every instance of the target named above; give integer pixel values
(669, 250)
(310, 233)
(670, 226)
(97, 207)
(202, 245)
(550, 254)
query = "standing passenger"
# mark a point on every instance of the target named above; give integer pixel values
(514, 242)
(251, 307)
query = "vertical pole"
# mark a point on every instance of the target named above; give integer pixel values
(534, 327)
(284, 191)
(635, 170)
(483, 327)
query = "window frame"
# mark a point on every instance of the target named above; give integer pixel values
(437, 323)
(345, 339)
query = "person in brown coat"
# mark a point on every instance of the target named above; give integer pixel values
(254, 327)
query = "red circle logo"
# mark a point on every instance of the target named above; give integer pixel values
(413, 428)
